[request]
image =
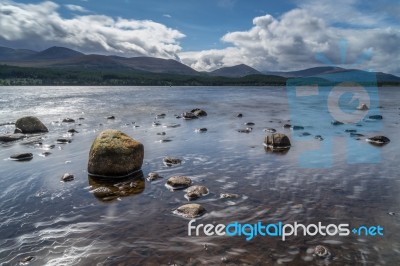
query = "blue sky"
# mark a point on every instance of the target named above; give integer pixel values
(267, 35)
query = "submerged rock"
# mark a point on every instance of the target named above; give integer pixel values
(161, 133)
(30, 124)
(287, 126)
(170, 161)
(228, 196)
(115, 154)
(67, 177)
(72, 130)
(297, 128)
(375, 117)
(319, 137)
(26, 260)
(111, 117)
(22, 156)
(189, 116)
(249, 124)
(201, 130)
(277, 141)
(378, 140)
(11, 137)
(199, 112)
(195, 192)
(245, 130)
(160, 116)
(63, 141)
(178, 182)
(239, 115)
(107, 190)
(152, 176)
(192, 210)
(270, 130)
(68, 120)
(336, 123)
(321, 252)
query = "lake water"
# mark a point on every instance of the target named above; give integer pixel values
(67, 224)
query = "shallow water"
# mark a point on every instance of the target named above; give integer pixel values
(69, 224)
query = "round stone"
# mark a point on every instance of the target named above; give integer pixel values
(178, 182)
(190, 210)
(30, 124)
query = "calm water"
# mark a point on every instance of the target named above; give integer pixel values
(67, 224)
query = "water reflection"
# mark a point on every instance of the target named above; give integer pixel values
(107, 190)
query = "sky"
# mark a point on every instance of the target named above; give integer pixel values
(205, 35)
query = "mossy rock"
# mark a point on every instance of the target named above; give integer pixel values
(115, 154)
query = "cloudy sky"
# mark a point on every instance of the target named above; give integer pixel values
(267, 35)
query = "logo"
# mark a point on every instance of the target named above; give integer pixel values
(332, 105)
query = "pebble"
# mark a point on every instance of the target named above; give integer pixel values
(228, 196)
(195, 192)
(152, 176)
(201, 130)
(178, 182)
(270, 130)
(170, 161)
(192, 210)
(63, 141)
(321, 252)
(68, 120)
(22, 157)
(67, 177)
(26, 260)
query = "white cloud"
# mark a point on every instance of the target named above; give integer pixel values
(76, 8)
(39, 26)
(292, 41)
(167, 16)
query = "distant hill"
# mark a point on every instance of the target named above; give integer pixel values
(238, 71)
(54, 53)
(14, 54)
(309, 72)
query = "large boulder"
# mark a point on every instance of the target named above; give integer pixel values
(30, 124)
(115, 154)
(277, 141)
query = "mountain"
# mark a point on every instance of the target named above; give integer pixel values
(314, 71)
(14, 54)
(61, 57)
(55, 53)
(238, 71)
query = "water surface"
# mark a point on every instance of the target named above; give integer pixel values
(66, 224)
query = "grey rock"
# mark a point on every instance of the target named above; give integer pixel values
(201, 130)
(152, 176)
(190, 210)
(30, 124)
(199, 112)
(178, 182)
(67, 177)
(277, 141)
(22, 156)
(321, 252)
(375, 117)
(11, 137)
(195, 192)
(189, 116)
(170, 161)
(378, 140)
(228, 196)
(68, 120)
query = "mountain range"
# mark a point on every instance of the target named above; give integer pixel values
(65, 58)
